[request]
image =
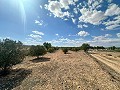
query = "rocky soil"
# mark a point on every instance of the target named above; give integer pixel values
(59, 71)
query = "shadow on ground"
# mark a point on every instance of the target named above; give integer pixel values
(14, 79)
(41, 59)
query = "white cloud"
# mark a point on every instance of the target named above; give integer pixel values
(106, 39)
(83, 33)
(84, 12)
(91, 16)
(85, 25)
(39, 22)
(108, 35)
(55, 8)
(81, 26)
(32, 41)
(67, 42)
(71, 35)
(73, 20)
(57, 34)
(37, 32)
(113, 9)
(75, 10)
(35, 36)
(41, 6)
(112, 24)
(118, 35)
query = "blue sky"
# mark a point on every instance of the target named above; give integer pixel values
(61, 22)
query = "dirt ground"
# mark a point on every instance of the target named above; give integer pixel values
(112, 59)
(58, 71)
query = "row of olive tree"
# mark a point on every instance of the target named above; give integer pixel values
(13, 52)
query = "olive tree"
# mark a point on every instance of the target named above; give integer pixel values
(37, 50)
(85, 46)
(11, 53)
(47, 45)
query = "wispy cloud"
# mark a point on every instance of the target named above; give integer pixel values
(39, 22)
(37, 32)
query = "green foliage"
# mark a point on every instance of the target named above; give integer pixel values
(11, 53)
(65, 50)
(47, 45)
(112, 48)
(56, 48)
(37, 50)
(51, 50)
(85, 46)
(75, 49)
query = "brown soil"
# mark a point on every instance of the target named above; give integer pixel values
(111, 59)
(58, 71)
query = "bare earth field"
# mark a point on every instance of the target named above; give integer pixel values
(112, 59)
(58, 71)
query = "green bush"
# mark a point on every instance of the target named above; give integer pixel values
(47, 45)
(75, 49)
(11, 53)
(65, 50)
(51, 50)
(85, 47)
(37, 51)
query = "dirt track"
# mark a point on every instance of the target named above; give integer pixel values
(112, 61)
(58, 71)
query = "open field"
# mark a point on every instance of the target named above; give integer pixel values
(58, 71)
(112, 59)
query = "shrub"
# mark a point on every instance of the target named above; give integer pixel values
(85, 46)
(75, 49)
(65, 50)
(11, 53)
(47, 45)
(51, 50)
(37, 50)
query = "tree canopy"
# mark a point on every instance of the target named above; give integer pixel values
(11, 53)
(85, 46)
(37, 50)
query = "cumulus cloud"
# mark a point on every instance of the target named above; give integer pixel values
(113, 9)
(83, 33)
(85, 12)
(91, 16)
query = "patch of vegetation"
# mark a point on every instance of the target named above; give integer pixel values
(75, 49)
(37, 50)
(51, 50)
(65, 50)
(11, 53)
(47, 45)
(85, 47)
